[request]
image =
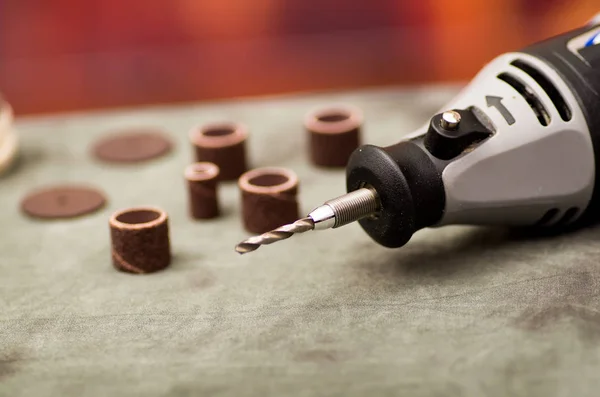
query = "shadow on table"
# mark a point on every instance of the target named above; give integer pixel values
(475, 250)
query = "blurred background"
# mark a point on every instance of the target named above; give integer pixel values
(65, 55)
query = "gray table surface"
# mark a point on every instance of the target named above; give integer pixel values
(458, 311)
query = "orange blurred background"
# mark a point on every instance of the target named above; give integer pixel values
(61, 55)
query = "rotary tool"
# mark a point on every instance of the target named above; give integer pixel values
(519, 146)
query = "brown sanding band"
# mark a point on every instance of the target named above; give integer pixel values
(9, 148)
(6, 117)
(202, 189)
(132, 146)
(59, 202)
(334, 133)
(9, 141)
(140, 240)
(223, 144)
(269, 198)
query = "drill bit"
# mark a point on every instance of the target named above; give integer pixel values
(334, 213)
(281, 233)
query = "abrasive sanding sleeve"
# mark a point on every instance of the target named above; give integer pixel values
(140, 240)
(269, 198)
(333, 134)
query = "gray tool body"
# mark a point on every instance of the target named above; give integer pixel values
(526, 156)
(524, 168)
(519, 146)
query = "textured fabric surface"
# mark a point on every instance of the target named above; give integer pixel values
(458, 311)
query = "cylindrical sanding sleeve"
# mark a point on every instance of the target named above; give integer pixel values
(334, 133)
(202, 188)
(268, 198)
(9, 142)
(224, 145)
(140, 240)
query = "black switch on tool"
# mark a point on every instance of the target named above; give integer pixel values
(453, 131)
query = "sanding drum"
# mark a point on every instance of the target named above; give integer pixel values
(223, 144)
(8, 137)
(140, 240)
(268, 198)
(202, 188)
(334, 133)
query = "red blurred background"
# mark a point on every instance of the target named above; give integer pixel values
(60, 55)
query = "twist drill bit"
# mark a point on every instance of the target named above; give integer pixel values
(334, 213)
(281, 233)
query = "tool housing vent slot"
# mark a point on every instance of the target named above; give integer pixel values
(548, 216)
(568, 216)
(555, 96)
(529, 95)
